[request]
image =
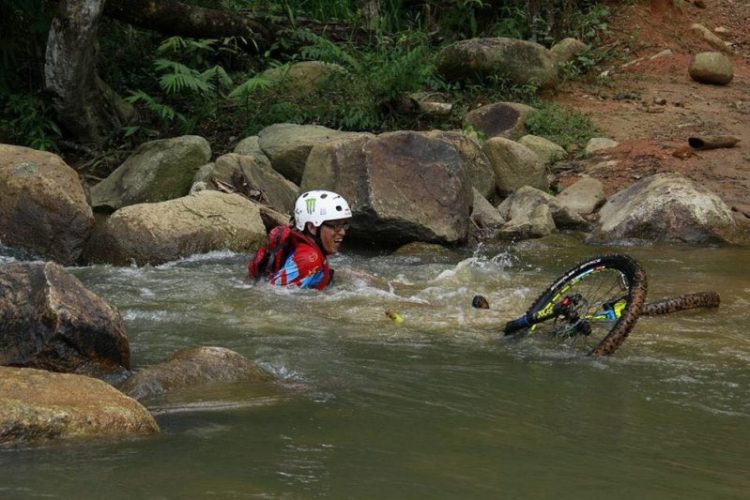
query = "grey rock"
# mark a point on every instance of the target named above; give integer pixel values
(583, 197)
(253, 172)
(154, 233)
(670, 208)
(191, 368)
(50, 321)
(402, 186)
(600, 143)
(501, 119)
(478, 167)
(547, 151)
(711, 67)
(515, 166)
(522, 62)
(566, 50)
(157, 171)
(525, 200)
(287, 145)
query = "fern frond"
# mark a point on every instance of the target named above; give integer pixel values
(218, 73)
(180, 78)
(246, 89)
(320, 49)
(172, 44)
(165, 112)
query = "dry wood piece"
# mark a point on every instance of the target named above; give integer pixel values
(713, 142)
(271, 218)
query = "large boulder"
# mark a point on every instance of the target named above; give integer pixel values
(302, 78)
(667, 207)
(253, 172)
(154, 233)
(536, 223)
(38, 407)
(193, 367)
(566, 50)
(49, 320)
(711, 67)
(157, 171)
(478, 167)
(583, 197)
(526, 199)
(43, 207)
(515, 166)
(248, 146)
(486, 218)
(501, 119)
(547, 151)
(287, 145)
(521, 62)
(402, 186)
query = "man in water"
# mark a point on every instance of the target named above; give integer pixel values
(319, 227)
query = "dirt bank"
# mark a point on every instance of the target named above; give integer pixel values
(652, 106)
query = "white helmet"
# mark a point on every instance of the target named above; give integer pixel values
(319, 206)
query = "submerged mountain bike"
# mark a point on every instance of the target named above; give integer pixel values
(595, 304)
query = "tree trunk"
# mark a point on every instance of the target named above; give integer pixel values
(84, 104)
(175, 18)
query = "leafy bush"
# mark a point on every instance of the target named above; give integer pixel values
(364, 98)
(561, 125)
(28, 120)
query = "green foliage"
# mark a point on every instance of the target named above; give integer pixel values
(251, 87)
(561, 125)
(362, 99)
(592, 24)
(215, 84)
(164, 112)
(178, 78)
(320, 49)
(582, 65)
(29, 122)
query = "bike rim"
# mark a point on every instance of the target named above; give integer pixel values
(601, 296)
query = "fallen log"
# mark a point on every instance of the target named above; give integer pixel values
(713, 142)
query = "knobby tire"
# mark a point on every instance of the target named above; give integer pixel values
(681, 303)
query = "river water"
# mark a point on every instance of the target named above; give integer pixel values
(439, 406)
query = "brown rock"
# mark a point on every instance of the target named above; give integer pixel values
(38, 406)
(49, 320)
(43, 206)
(201, 365)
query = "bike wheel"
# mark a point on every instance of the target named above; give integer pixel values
(593, 306)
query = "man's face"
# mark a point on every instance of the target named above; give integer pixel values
(332, 233)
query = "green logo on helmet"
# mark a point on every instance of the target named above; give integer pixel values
(310, 203)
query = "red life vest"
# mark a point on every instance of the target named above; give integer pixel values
(283, 241)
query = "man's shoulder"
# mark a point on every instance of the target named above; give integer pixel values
(307, 253)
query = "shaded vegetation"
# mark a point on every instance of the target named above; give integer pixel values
(218, 89)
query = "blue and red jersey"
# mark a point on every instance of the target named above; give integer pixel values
(306, 266)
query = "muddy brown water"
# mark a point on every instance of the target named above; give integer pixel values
(439, 406)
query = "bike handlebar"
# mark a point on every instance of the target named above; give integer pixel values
(516, 324)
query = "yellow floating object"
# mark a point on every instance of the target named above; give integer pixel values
(394, 316)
